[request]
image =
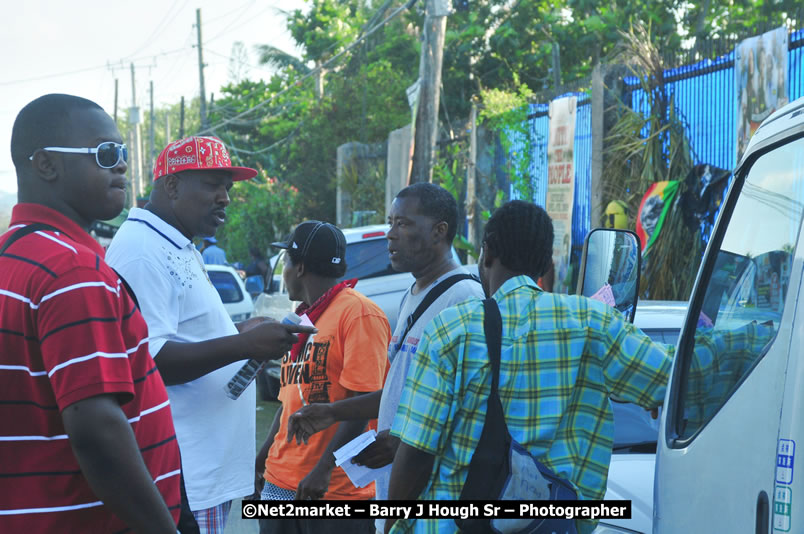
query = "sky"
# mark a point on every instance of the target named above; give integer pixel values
(80, 47)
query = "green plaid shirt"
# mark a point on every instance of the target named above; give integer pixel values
(562, 358)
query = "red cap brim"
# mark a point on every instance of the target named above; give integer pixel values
(241, 173)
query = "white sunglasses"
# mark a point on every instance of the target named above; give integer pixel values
(107, 154)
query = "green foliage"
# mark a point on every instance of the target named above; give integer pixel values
(261, 212)
(714, 21)
(634, 161)
(449, 171)
(296, 136)
(497, 52)
(506, 113)
(364, 182)
(643, 149)
(326, 26)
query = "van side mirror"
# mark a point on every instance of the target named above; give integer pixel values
(610, 268)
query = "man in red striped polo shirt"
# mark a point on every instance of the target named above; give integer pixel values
(87, 441)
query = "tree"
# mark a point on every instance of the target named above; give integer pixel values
(294, 134)
(291, 124)
(261, 211)
(238, 62)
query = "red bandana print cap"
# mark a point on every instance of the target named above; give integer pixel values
(198, 153)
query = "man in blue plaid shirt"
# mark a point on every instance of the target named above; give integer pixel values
(562, 358)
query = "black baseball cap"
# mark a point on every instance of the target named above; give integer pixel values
(317, 241)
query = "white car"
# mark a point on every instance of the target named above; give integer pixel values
(633, 458)
(232, 290)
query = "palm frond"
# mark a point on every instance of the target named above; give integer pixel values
(273, 56)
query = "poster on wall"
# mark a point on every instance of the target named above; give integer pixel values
(561, 185)
(760, 70)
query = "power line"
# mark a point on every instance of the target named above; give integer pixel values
(87, 69)
(316, 70)
(230, 12)
(229, 27)
(159, 28)
(229, 57)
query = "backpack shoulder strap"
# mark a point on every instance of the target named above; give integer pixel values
(492, 328)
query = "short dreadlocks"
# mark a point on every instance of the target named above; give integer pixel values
(520, 234)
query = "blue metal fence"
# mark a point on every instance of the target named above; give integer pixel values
(704, 96)
(538, 127)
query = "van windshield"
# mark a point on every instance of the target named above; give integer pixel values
(745, 294)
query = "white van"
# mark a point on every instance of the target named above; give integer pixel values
(726, 454)
(726, 460)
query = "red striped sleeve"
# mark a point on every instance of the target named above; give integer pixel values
(69, 331)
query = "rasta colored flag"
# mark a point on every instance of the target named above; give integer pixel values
(653, 209)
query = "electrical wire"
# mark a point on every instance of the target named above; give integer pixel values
(166, 18)
(316, 70)
(228, 28)
(87, 69)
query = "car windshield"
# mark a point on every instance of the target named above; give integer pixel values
(364, 259)
(367, 259)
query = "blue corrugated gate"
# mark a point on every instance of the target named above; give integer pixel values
(538, 122)
(704, 96)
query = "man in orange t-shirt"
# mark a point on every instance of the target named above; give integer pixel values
(347, 357)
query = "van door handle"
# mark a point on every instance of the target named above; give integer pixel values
(763, 513)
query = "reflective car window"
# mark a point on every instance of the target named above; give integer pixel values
(745, 294)
(227, 286)
(668, 336)
(367, 259)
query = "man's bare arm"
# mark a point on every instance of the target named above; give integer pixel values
(316, 483)
(183, 362)
(110, 459)
(317, 417)
(409, 475)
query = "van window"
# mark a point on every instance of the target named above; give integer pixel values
(746, 291)
(367, 259)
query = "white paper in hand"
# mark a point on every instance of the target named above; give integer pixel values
(360, 475)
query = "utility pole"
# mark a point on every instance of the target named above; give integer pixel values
(426, 127)
(471, 177)
(134, 124)
(556, 60)
(181, 120)
(115, 100)
(151, 131)
(598, 129)
(201, 71)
